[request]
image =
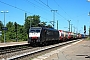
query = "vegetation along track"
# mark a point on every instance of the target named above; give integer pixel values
(30, 52)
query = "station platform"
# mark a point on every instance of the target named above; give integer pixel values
(76, 51)
(12, 43)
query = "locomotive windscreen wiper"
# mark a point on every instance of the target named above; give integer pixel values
(37, 30)
(32, 30)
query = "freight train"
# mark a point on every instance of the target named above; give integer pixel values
(44, 35)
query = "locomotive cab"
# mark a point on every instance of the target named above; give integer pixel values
(34, 35)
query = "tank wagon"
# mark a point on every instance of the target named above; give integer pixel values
(42, 35)
(61, 35)
(65, 35)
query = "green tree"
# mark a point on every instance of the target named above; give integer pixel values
(21, 34)
(10, 33)
(50, 26)
(35, 20)
(1, 37)
(9, 24)
(1, 25)
(42, 24)
(17, 32)
(16, 25)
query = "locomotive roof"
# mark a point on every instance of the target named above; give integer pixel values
(44, 28)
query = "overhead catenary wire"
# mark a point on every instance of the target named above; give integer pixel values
(37, 6)
(62, 9)
(30, 12)
(15, 7)
(49, 7)
(46, 5)
(66, 12)
(61, 16)
(40, 4)
(20, 9)
(52, 9)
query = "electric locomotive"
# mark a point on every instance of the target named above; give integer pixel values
(42, 35)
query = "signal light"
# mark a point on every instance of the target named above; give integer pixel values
(84, 27)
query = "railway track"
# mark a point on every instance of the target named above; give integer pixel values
(10, 49)
(22, 52)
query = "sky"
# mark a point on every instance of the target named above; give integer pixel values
(74, 10)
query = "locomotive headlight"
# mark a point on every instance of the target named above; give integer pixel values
(29, 38)
(38, 40)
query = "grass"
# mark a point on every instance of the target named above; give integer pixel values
(88, 38)
(12, 40)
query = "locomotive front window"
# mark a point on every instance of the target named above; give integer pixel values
(32, 30)
(37, 30)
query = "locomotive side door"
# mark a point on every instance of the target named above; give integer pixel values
(45, 33)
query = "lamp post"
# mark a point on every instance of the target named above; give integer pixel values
(71, 27)
(69, 24)
(4, 22)
(89, 26)
(30, 21)
(53, 16)
(74, 28)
